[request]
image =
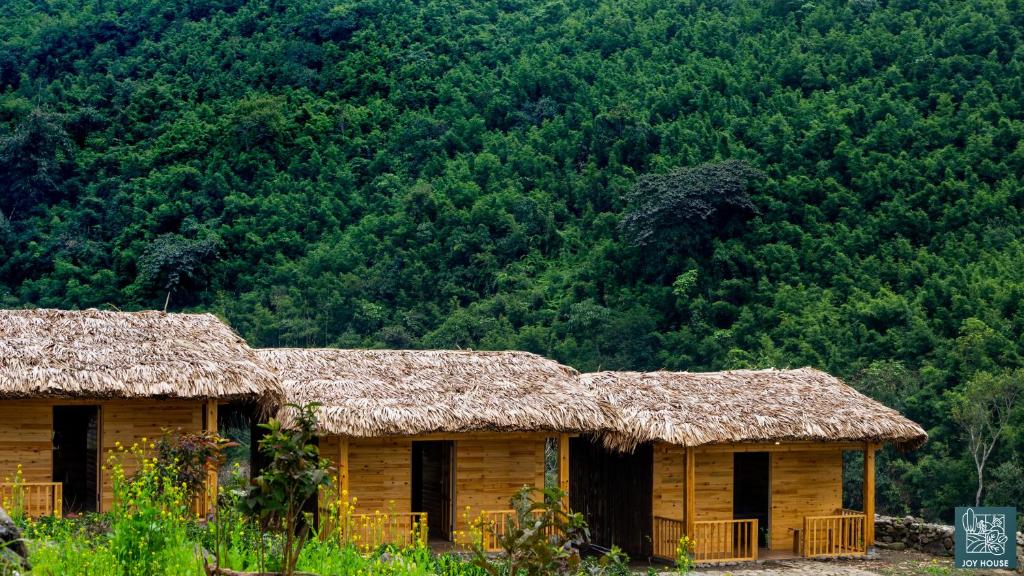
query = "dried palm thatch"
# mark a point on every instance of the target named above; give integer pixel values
(372, 393)
(97, 354)
(692, 409)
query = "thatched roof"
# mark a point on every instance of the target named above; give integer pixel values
(692, 409)
(402, 392)
(97, 354)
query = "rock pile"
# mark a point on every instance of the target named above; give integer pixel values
(913, 533)
(13, 552)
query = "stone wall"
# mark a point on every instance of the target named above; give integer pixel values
(916, 534)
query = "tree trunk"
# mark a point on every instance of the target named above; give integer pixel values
(215, 571)
(981, 481)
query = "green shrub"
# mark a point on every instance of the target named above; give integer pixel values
(294, 475)
(543, 539)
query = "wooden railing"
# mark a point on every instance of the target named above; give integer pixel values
(838, 535)
(666, 536)
(725, 540)
(494, 524)
(206, 500)
(369, 531)
(34, 498)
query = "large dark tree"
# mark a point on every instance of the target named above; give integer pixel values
(33, 163)
(713, 194)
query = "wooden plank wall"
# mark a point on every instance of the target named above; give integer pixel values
(804, 483)
(714, 485)
(669, 480)
(490, 469)
(380, 472)
(26, 434)
(128, 421)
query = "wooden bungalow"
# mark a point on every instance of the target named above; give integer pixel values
(437, 439)
(76, 384)
(745, 463)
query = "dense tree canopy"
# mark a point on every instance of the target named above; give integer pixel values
(444, 173)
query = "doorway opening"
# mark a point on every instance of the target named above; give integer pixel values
(76, 456)
(433, 485)
(613, 491)
(752, 491)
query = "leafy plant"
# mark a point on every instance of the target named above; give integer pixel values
(541, 539)
(684, 555)
(190, 456)
(13, 501)
(613, 563)
(293, 476)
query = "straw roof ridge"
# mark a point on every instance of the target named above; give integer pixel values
(692, 409)
(371, 393)
(98, 354)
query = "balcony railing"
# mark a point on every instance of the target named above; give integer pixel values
(666, 536)
(828, 536)
(713, 541)
(372, 530)
(369, 531)
(494, 524)
(206, 500)
(725, 540)
(34, 498)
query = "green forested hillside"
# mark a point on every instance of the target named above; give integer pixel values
(441, 173)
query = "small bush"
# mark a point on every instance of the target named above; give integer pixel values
(294, 475)
(544, 540)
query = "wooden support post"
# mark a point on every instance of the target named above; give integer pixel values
(342, 469)
(563, 468)
(869, 494)
(211, 416)
(209, 501)
(690, 487)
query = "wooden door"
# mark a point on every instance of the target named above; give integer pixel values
(614, 493)
(433, 482)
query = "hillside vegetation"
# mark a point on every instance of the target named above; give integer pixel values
(460, 173)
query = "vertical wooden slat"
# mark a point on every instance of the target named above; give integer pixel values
(806, 539)
(690, 506)
(754, 535)
(563, 468)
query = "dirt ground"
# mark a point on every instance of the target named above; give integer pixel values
(881, 563)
